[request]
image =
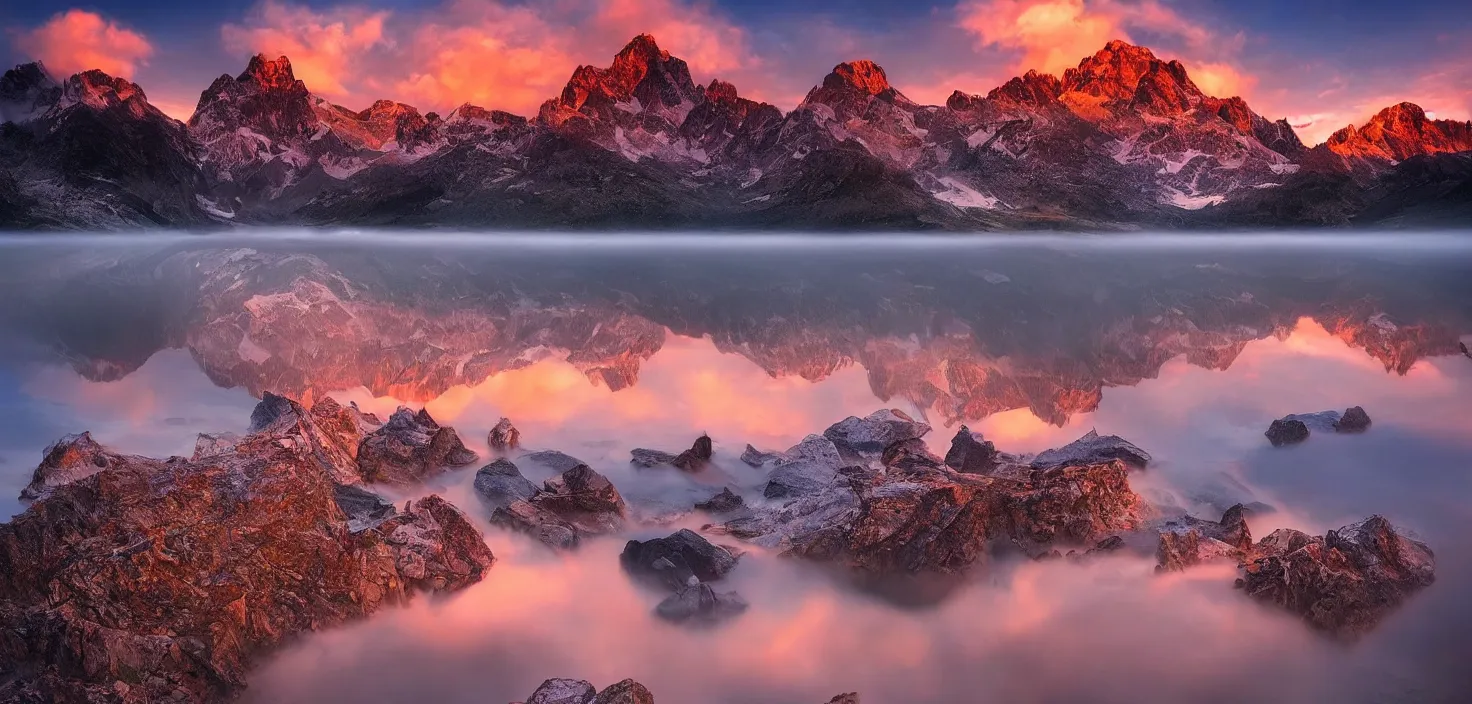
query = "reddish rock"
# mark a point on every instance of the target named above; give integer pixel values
(579, 502)
(1400, 132)
(692, 460)
(410, 447)
(971, 453)
(67, 460)
(504, 436)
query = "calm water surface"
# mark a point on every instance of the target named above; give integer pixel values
(1187, 348)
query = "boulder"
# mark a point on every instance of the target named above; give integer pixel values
(67, 460)
(850, 698)
(1093, 448)
(692, 460)
(1323, 421)
(1354, 420)
(1191, 541)
(1287, 432)
(807, 467)
(725, 502)
(1465, 351)
(543, 526)
(409, 448)
(331, 432)
(558, 462)
(700, 604)
(677, 561)
(504, 437)
(570, 506)
(563, 691)
(180, 574)
(1343, 583)
(500, 483)
(625, 692)
(868, 436)
(757, 458)
(970, 453)
(911, 455)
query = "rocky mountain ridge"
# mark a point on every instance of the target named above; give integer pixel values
(1124, 140)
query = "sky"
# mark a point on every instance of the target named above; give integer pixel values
(1322, 64)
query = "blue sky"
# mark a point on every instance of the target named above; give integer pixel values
(1322, 63)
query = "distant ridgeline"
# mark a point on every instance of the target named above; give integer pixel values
(1123, 141)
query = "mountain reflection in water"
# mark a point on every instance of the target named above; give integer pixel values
(1187, 352)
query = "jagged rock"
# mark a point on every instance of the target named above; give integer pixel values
(970, 453)
(558, 462)
(868, 436)
(1466, 352)
(71, 458)
(500, 483)
(691, 460)
(410, 447)
(179, 574)
(700, 603)
(1344, 582)
(725, 502)
(1323, 421)
(850, 698)
(563, 691)
(757, 458)
(625, 692)
(677, 561)
(1287, 432)
(1113, 543)
(504, 436)
(577, 503)
(911, 455)
(807, 467)
(1354, 420)
(211, 444)
(1093, 448)
(1190, 541)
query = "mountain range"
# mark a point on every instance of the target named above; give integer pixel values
(1124, 140)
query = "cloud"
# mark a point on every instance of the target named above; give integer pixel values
(324, 47)
(77, 40)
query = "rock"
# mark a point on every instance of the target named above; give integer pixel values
(1465, 351)
(211, 444)
(577, 503)
(1093, 448)
(1191, 541)
(868, 436)
(563, 691)
(1322, 421)
(700, 604)
(67, 460)
(556, 461)
(694, 459)
(725, 502)
(625, 692)
(757, 458)
(1287, 432)
(850, 698)
(500, 483)
(180, 574)
(805, 468)
(909, 456)
(1344, 582)
(677, 561)
(970, 453)
(504, 436)
(331, 432)
(410, 447)
(1354, 420)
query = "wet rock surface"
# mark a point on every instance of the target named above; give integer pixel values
(725, 502)
(807, 467)
(868, 436)
(1190, 541)
(504, 436)
(410, 447)
(576, 503)
(1287, 432)
(757, 458)
(701, 604)
(1093, 448)
(971, 453)
(501, 482)
(181, 574)
(692, 460)
(1344, 582)
(677, 561)
(558, 462)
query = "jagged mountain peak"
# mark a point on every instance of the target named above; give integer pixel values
(640, 72)
(1400, 132)
(1117, 72)
(25, 77)
(26, 91)
(1031, 88)
(721, 90)
(863, 74)
(98, 89)
(269, 73)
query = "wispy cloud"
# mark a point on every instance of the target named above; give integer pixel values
(77, 40)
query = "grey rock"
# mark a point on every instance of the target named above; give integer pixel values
(870, 435)
(700, 604)
(563, 691)
(1354, 420)
(1092, 448)
(971, 453)
(807, 467)
(1322, 421)
(679, 560)
(849, 698)
(501, 482)
(69, 459)
(577, 503)
(364, 508)
(1287, 432)
(558, 462)
(692, 460)
(725, 502)
(757, 458)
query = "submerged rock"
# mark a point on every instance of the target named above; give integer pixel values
(868, 436)
(1354, 420)
(701, 604)
(677, 561)
(694, 459)
(725, 502)
(757, 458)
(504, 436)
(1287, 432)
(970, 453)
(1093, 448)
(1344, 582)
(501, 482)
(179, 574)
(577, 503)
(410, 447)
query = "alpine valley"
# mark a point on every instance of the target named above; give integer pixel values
(1123, 141)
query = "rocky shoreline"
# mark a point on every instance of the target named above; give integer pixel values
(132, 579)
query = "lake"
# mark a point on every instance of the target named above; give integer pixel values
(1187, 346)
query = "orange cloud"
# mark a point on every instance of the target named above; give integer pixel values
(324, 47)
(77, 40)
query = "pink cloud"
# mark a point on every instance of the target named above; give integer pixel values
(77, 40)
(324, 47)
